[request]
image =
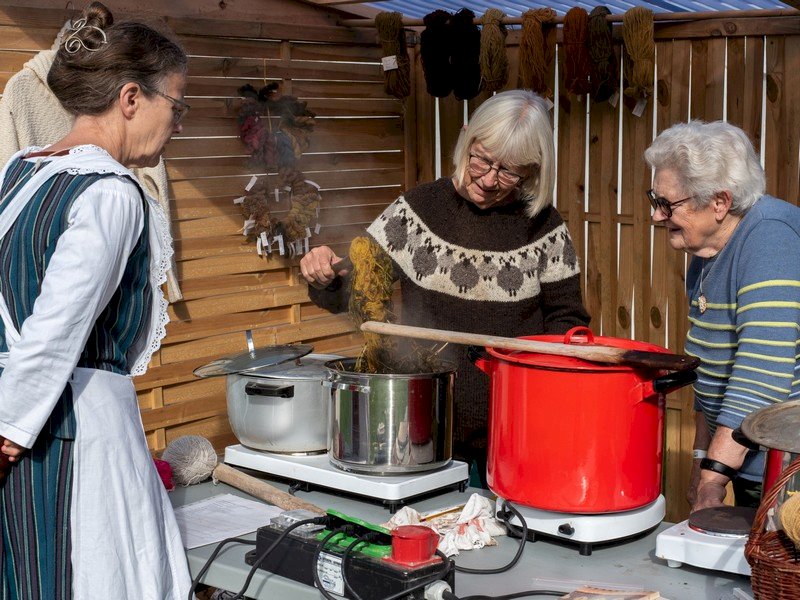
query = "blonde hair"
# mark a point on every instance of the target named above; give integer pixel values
(513, 126)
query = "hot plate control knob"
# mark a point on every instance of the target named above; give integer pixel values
(566, 529)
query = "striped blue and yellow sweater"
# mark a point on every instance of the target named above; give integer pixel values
(747, 338)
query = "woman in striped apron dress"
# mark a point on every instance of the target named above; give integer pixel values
(84, 252)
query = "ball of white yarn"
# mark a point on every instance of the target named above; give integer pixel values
(192, 459)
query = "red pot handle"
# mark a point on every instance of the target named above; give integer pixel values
(582, 331)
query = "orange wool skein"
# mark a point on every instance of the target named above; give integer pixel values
(577, 69)
(536, 49)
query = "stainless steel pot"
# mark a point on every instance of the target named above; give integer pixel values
(390, 424)
(275, 398)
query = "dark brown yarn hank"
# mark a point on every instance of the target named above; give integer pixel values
(397, 82)
(435, 45)
(577, 68)
(604, 63)
(465, 57)
(493, 55)
(536, 50)
(637, 33)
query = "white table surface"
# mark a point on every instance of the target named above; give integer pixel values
(543, 564)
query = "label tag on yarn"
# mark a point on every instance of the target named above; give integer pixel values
(238, 200)
(258, 247)
(389, 63)
(248, 225)
(317, 227)
(277, 195)
(251, 183)
(549, 103)
(308, 234)
(305, 244)
(281, 250)
(638, 110)
(264, 239)
(614, 100)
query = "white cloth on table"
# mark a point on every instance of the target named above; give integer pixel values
(473, 528)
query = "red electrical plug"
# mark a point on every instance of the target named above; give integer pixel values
(414, 546)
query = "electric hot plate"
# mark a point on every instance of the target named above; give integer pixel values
(712, 538)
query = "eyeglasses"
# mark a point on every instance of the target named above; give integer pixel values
(480, 166)
(659, 202)
(179, 107)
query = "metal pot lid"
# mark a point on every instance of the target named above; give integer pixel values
(254, 360)
(308, 368)
(776, 426)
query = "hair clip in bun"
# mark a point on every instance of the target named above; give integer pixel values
(73, 43)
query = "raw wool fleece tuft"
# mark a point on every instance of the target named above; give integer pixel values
(31, 115)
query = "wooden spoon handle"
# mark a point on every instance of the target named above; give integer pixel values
(344, 264)
(261, 489)
(592, 352)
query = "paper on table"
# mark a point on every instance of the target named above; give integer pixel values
(214, 519)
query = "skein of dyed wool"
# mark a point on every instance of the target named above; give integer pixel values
(493, 55)
(435, 45)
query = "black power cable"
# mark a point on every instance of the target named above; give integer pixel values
(211, 558)
(346, 558)
(315, 562)
(257, 562)
(441, 574)
(517, 556)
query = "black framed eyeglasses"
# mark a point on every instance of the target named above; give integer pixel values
(659, 202)
(480, 166)
(179, 107)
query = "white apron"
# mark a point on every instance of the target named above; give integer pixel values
(125, 541)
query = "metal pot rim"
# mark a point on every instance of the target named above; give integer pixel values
(448, 368)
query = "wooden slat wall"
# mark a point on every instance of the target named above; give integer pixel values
(633, 282)
(357, 157)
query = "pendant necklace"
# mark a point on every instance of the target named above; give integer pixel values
(702, 303)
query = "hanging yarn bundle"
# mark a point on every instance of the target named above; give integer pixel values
(277, 146)
(605, 67)
(465, 57)
(435, 43)
(577, 70)
(537, 49)
(396, 64)
(637, 34)
(371, 300)
(493, 56)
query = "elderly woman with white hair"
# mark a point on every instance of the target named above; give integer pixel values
(482, 251)
(743, 287)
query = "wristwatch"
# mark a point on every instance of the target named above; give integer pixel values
(714, 465)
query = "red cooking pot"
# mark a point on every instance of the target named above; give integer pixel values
(570, 435)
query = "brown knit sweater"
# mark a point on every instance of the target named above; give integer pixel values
(493, 271)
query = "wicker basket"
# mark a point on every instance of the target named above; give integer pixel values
(773, 557)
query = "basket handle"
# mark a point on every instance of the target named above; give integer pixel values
(768, 499)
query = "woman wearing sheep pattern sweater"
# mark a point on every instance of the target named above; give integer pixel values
(481, 252)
